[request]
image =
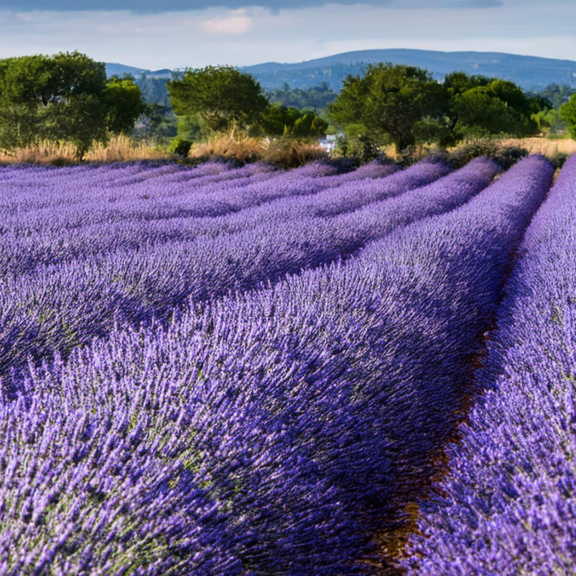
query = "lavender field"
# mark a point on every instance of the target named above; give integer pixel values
(215, 370)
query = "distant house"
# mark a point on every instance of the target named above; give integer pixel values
(328, 143)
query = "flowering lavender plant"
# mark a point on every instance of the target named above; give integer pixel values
(507, 506)
(274, 431)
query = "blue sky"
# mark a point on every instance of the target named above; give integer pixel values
(180, 33)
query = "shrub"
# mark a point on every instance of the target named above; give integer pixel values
(506, 156)
(180, 146)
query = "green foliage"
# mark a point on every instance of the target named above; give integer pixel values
(389, 101)
(157, 125)
(124, 104)
(361, 149)
(550, 122)
(481, 107)
(317, 98)
(180, 146)
(557, 94)
(309, 125)
(406, 106)
(481, 112)
(568, 112)
(190, 127)
(279, 120)
(65, 97)
(219, 95)
(505, 156)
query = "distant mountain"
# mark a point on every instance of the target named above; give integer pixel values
(529, 72)
(121, 69)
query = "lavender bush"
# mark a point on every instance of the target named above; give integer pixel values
(273, 432)
(508, 505)
(23, 249)
(61, 306)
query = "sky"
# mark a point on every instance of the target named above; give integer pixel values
(192, 33)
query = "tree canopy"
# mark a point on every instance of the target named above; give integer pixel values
(405, 105)
(215, 98)
(568, 112)
(390, 101)
(220, 95)
(65, 97)
(317, 98)
(279, 120)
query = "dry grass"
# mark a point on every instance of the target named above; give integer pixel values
(548, 147)
(124, 149)
(234, 145)
(238, 145)
(119, 149)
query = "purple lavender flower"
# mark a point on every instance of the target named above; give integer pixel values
(507, 505)
(272, 431)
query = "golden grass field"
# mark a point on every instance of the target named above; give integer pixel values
(235, 145)
(549, 147)
(119, 149)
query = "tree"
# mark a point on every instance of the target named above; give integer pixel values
(481, 106)
(390, 102)
(316, 98)
(557, 94)
(481, 112)
(124, 104)
(568, 112)
(406, 106)
(220, 95)
(65, 97)
(279, 120)
(456, 84)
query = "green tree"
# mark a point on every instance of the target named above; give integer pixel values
(488, 107)
(568, 112)
(124, 104)
(316, 98)
(392, 103)
(189, 127)
(158, 124)
(279, 120)
(65, 97)
(557, 94)
(219, 95)
(456, 84)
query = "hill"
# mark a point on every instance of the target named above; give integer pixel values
(529, 72)
(121, 69)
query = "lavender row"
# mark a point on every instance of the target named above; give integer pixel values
(508, 505)
(21, 253)
(154, 201)
(59, 307)
(107, 184)
(269, 433)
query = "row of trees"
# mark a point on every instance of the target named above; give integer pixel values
(395, 104)
(222, 96)
(405, 105)
(67, 98)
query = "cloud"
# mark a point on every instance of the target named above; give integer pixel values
(154, 6)
(238, 23)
